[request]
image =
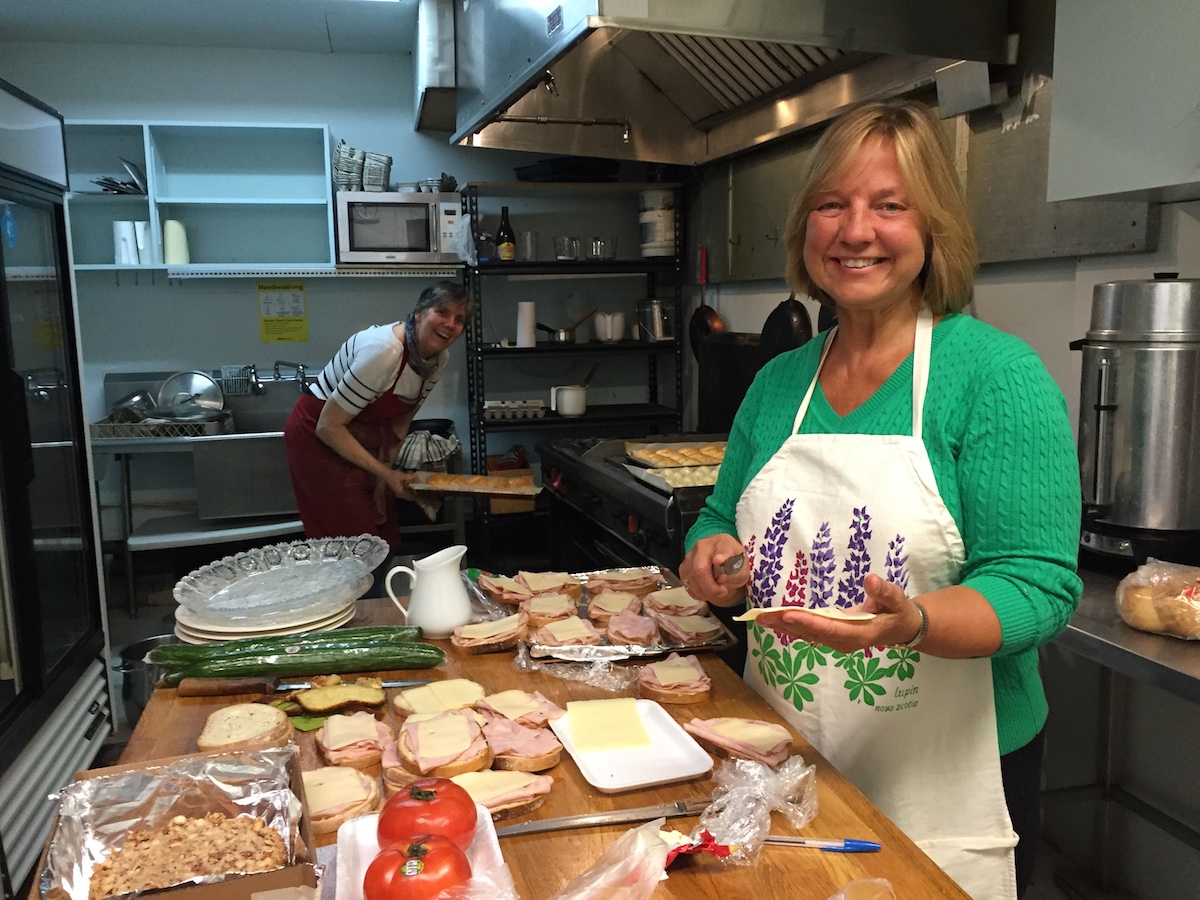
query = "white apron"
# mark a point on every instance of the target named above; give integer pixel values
(915, 733)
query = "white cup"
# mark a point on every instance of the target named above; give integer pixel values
(568, 399)
(125, 244)
(610, 326)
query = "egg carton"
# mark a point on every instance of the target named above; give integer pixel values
(514, 409)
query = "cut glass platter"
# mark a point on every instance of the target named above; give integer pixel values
(309, 577)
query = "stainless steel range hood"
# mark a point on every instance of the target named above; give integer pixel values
(681, 81)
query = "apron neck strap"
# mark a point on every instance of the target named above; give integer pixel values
(922, 345)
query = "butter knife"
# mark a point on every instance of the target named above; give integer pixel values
(731, 566)
(613, 817)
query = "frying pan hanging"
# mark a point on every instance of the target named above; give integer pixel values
(787, 327)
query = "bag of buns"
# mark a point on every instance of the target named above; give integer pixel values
(1163, 598)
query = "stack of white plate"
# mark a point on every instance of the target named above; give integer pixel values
(309, 585)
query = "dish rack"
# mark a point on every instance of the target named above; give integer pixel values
(514, 409)
(106, 428)
(235, 381)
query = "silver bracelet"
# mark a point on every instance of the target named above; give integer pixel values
(922, 631)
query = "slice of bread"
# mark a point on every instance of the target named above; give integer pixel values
(245, 726)
(504, 642)
(396, 778)
(671, 695)
(341, 698)
(515, 763)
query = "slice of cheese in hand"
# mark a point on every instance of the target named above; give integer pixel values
(331, 786)
(484, 630)
(606, 725)
(831, 613)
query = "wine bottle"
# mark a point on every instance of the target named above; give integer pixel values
(506, 243)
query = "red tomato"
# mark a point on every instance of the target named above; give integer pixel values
(417, 869)
(428, 806)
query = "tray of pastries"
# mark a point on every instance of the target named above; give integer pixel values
(443, 483)
(675, 453)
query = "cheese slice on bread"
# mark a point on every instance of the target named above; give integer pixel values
(490, 636)
(335, 794)
(677, 679)
(438, 696)
(505, 793)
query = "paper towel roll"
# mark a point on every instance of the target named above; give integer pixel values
(526, 324)
(124, 244)
(175, 246)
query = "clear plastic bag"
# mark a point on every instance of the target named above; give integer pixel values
(599, 673)
(628, 870)
(747, 792)
(1162, 598)
(866, 889)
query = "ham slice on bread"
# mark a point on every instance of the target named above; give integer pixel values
(606, 604)
(504, 590)
(506, 793)
(543, 609)
(438, 696)
(633, 581)
(627, 627)
(518, 748)
(525, 708)
(335, 794)
(443, 744)
(551, 583)
(755, 739)
(567, 632)
(676, 679)
(689, 630)
(674, 601)
(357, 740)
(491, 636)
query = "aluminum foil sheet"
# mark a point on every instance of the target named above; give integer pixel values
(97, 815)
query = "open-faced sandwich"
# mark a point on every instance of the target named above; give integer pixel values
(523, 707)
(329, 694)
(551, 583)
(674, 601)
(245, 726)
(506, 793)
(567, 632)
(503, 589)
(602, 606)
(438, 696)
(766, 742)
(443, 744)
(545, 608)
(676, 679)
(335, 794)
(632, 581)
(627, 627)
(489, 637)
(689, 630)
(357, 740)
(519, 747)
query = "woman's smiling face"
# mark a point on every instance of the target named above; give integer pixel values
(864, 244)
(439, 326)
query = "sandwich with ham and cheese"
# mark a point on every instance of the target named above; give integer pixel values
(603, 606)
(688, 631)
(438, 696)
(627, 627)
(676, 679)
(633, 581)
(551, 583)
(506, 793)
(357, 740)
(335, 794)
(443, 744)
(754, 739)
(567, 632)
(674, 601)
(520, 748)
(503, 589)
(543, 609)
(489, 637)
(525, 708)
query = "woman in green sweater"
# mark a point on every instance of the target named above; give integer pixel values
(906, 492)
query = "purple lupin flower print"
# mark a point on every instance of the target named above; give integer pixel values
(823, 567)
(752, 598)
(770, 562)
(794, 592)
(896, 558)
(858, 560)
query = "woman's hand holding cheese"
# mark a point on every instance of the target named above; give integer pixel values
(896, 621)
(696, 570)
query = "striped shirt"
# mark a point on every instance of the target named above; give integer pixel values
(367, 365)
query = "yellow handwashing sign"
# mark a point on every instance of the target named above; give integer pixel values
(282, 312)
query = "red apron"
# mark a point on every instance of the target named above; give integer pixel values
(336, 497)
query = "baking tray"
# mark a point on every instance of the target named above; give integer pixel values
(632, 447)
(668, 479)
(673, 755)
(491, 486)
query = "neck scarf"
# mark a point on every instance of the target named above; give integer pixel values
(423, 367)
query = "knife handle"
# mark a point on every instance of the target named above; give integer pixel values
(220, 687)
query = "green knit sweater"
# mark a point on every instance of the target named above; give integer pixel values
(1000, 443)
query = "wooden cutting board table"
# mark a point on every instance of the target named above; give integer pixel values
(541, 864)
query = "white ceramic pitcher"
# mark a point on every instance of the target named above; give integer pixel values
(438, 600)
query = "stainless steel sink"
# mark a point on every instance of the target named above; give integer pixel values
(266, 412)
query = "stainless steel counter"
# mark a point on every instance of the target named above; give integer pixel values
(1096, 632)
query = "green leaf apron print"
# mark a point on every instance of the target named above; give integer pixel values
(915, 733)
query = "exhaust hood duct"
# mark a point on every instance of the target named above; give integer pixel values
(434, 106)
(697, 81)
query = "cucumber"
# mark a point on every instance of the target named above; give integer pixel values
(321, 661)
(183, 654)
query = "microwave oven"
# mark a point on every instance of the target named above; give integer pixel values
(393, 227)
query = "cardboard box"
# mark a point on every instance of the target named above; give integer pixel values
(302, 872)
(503, 505)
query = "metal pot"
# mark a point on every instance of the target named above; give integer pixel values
(132, 407)
(558, 335)
(139, 677)
(653, 321)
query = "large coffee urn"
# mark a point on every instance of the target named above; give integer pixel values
(1139, 420)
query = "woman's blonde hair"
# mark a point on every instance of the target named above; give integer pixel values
(925, 163)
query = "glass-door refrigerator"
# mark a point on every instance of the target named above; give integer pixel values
(54, 701)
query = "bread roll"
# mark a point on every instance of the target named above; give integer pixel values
(1162, 598)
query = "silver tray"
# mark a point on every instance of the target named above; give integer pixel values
(309, 576)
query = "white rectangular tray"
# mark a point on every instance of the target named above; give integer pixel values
(672, 755)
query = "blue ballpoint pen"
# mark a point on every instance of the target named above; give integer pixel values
(843, 845)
